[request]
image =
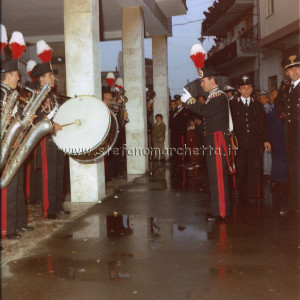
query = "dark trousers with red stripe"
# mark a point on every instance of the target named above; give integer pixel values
(248, 167)
(52, 176)
(218, 176)
(179, 142)
(13, 209)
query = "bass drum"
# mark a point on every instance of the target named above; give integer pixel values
(89, 129)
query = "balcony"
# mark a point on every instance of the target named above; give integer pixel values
(249, 38)
(223, 15)
(173, 7)
(230, 56)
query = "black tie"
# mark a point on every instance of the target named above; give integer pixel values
(246, 103)
(292, 87)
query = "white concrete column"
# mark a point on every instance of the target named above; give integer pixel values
(134, 84)
(160, 80)
(83, 74)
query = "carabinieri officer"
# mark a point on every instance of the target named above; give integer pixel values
(215, 113)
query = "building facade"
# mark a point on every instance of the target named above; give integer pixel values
(251, 38)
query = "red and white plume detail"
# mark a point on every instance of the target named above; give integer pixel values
(3, 41)
(110, 78)
(30, 65)
(44, 51)
(17, 44)
(198, 55)
(119, 83)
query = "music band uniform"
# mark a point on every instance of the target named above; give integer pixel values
(13, 209)
(49, 157)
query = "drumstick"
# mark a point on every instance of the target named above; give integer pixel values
(77, 122)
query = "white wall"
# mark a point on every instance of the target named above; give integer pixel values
(285, 12)
(270, 66)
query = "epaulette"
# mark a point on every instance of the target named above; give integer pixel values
(217, 94)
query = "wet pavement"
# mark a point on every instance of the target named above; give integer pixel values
(150, 240)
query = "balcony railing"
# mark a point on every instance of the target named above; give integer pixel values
(249, 37)
(216, 13)
(222, 15)
(230, 56)
(219, 57)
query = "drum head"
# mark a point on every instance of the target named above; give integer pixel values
(92, 123)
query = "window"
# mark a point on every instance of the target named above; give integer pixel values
(270, 7)
(272, 83)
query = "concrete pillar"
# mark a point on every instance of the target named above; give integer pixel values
(83, 74)
(134, 84)
(160, 80)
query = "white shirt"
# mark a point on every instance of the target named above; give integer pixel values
(244, 100)
(295, 83)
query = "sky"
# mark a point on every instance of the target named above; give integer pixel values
(180, 66)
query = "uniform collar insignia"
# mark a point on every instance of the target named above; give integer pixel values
(214, 90)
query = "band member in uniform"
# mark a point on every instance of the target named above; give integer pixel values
(215, 138)
(180, 118)
(52, 159)
(289, 109)
(13, 209)
(251, 130)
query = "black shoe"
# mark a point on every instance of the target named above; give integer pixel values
(63, 212)
(13, 236)
(25, 229)
(210, 218)
(52, 216)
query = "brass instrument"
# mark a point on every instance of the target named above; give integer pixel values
(9, 105)
(23, 87)
(118, 106)
(20, 140)
(19, 156)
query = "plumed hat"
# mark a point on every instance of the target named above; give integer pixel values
(44, 53)
(10, 55)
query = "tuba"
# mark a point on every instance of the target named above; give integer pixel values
(118, 106)
(7, 109)
(20, 139)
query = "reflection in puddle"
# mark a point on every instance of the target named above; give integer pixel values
(117, 271)
(118, 226)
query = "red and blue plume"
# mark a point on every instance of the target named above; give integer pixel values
(17, 44)
(3, 38)
(44, 51)
(110, 78)
(198, 55)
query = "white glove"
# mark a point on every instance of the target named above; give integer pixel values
(185, 96)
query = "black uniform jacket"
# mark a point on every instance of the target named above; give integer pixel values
(171, 119)
(214, 112)
(179, 122)
(47, 109)
(18, 108)
(288, 107)
(249, 123)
